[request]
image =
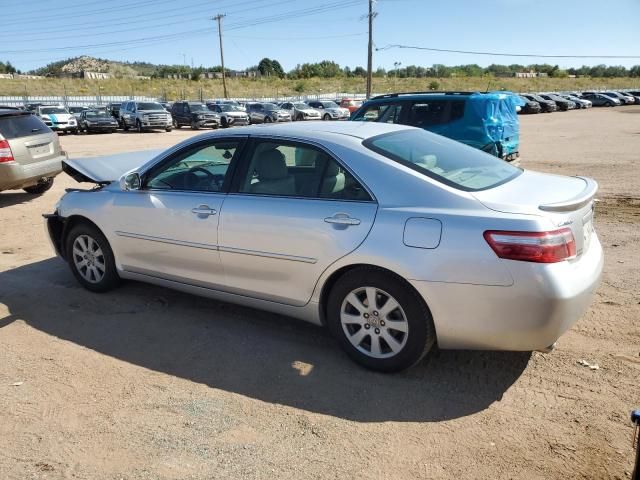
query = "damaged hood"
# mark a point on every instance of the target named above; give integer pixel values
(107, 169)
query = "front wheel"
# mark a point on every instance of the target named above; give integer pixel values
(176, 125)
(168, 129)
(194, 125)
(326, 117)
(91, 259)
(267, 119)
(380, 321)
(139, 126)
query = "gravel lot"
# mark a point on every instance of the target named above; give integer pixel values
(153, 384)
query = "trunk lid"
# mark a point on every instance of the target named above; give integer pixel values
(566, 201)
(106, 169)
(29, 139)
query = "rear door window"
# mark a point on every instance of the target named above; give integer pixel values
(435, 112)
(15, 126)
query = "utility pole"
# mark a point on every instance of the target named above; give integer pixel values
(219, 18)
(370, 49)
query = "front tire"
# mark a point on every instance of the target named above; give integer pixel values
(176, 125)
(139, 126)
(41, 187)
(380, 321)
(326, 117)
(91, 259)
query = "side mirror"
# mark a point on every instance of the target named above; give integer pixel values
(130, 181)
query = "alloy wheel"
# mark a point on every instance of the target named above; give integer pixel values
(374, 322)
(88, 259)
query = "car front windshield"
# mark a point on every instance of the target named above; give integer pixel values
(329, 104)
(198, 107)
(447, 161)
(270, 106)
(150, 106)
(301, 106)
(53, 110)
(96, 113)
(228, 107)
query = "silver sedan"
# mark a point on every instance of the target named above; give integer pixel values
(393, 237)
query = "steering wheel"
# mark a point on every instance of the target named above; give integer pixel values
(193, 180)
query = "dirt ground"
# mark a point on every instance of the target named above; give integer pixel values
(147, 383)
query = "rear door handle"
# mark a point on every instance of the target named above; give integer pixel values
(203, 211)
(342, 219)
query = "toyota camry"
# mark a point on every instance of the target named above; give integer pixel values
(394, 238)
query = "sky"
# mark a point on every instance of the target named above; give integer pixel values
(36, 32)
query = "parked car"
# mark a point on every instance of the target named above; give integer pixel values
(547, 106)
(30, 154)
(330, 110)
(487, 121)
(393, 237)
(76, 111)
(97, 120)
(166, 105)
(635, 94)
(230, 115)
(622, 99)
(144, 116)
(267, 113)
(32, 107)
(530, 106)
(350, 104)
(562, 103)
(114, 110)
(601, 100)
(300, 111)
(57, 118)
(193, 114)
(630, 99)
(580, 102)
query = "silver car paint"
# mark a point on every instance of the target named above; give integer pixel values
(477, 300)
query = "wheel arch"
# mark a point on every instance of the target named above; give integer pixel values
(71, 222)
(336, 275)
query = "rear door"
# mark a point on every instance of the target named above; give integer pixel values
(293, 211)
(30, 139)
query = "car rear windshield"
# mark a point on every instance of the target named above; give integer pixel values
(447, 161)
(15, 126)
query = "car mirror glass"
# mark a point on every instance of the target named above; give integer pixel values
(130, 181)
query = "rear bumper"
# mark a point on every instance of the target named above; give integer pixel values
(543, 303)
(15, 175)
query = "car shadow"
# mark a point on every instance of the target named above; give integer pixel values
(260, 355)
(8, 199)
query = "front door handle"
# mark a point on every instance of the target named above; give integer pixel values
(203, 211)
(342, 219)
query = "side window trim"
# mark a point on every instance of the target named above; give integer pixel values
(247, 152)
(170, 156)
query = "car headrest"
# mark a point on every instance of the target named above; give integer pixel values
(305, 157)
(271, 165)
(332, 169)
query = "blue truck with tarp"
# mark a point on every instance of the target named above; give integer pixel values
(487, 121)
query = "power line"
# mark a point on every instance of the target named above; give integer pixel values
(502, 54)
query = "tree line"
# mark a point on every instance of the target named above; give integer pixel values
(268, 67)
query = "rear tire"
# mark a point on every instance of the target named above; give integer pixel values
(91, 259)
(41, 187)
(382, 336)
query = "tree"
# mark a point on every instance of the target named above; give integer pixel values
(265, 67)
(359, 72)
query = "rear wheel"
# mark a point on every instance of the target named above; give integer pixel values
(91, 259)
(42, 186)
(379, 320)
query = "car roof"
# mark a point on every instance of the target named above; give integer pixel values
(10, 112)
(318, 130)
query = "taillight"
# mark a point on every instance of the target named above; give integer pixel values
(6, 155)
(540, 247)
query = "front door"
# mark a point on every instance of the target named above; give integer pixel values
(169, 228)
(293, 211)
